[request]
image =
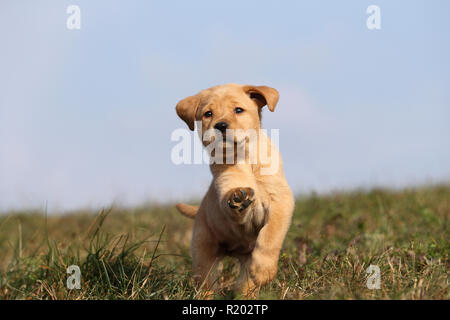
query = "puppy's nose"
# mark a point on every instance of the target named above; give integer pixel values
(221, 126)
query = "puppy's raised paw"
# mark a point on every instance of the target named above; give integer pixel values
(241, 198)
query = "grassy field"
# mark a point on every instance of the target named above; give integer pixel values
(143, 252)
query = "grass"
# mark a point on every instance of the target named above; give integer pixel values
(143, 252)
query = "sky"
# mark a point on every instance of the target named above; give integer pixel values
(86, 115)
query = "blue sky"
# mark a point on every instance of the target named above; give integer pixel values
(86, 115)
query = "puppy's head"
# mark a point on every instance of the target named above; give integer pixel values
(227, 107)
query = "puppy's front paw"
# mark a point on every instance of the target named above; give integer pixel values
(241, 198)
(263, 272)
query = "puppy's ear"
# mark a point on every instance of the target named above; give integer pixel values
(263, 95)
(186, 110)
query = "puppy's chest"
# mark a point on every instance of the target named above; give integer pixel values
(238, 238)
(235, 240)
(237, 249)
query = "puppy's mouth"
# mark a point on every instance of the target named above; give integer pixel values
(216, 135)
(233, 140)
(228, 138)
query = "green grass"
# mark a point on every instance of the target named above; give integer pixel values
(143, 253)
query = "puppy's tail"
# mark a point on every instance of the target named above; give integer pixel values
(187, 210)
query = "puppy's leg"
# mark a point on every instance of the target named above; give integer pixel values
(264, 260)
(237, 192)
(245, 285)
(205, 257)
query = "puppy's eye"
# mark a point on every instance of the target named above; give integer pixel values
(208, 114)
(238, 110)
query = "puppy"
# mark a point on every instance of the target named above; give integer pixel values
(247, 209)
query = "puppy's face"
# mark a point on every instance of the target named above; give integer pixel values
(227, 108)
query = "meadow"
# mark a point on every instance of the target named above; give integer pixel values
(143, 252)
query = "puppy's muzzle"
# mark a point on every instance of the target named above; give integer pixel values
(221, 126)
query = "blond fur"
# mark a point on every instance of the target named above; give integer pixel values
(253, 234)
(187, 210)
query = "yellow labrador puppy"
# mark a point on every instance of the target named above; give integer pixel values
(247, 210)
